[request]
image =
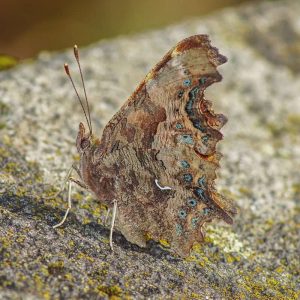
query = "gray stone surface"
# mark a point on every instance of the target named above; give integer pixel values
(257, 258)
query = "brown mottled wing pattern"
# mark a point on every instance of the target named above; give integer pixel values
(168, 131)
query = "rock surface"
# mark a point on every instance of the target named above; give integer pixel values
(257, 258)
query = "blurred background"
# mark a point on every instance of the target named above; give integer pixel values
(29, 26)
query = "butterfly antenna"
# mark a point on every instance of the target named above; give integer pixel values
(76, 54)
(67, 70)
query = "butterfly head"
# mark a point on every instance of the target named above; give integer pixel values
(85, 141)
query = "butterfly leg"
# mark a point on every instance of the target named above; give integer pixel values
(77, 170)
(112, 223)
(106, 216)
(70, 181)
(69, 205)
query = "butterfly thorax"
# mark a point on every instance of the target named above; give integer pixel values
(95, 176)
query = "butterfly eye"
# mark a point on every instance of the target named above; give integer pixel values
(85, 143)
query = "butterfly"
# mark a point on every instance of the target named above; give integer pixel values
(155, 164)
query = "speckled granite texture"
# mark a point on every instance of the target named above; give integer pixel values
(257, 258)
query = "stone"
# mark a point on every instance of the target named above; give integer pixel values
(257, 258)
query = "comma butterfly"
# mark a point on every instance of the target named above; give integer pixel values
(155, 163)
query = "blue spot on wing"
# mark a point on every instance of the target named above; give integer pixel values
(189, 108)
(187, 82)
(198, 125)
(195, 222)
(184, 164)
(192, 97)
(188, 177)
(205, 139)
(206, 211)
(200, 193)
(179, 229)
(182, 214)
(202, 80)
(186, 138)
(202, 181)
(191, 202)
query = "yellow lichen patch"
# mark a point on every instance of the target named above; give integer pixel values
(245, 191)
(114, 292)
(228, 194)
(76, 157)
(105, 240)
(6, 139)
(77, 197)
(7, 62)
(164, 243)
(4, 108)
(4, 152)
(196, 296)
(69, 277)
(86, 221)
(148, 236)
(296, 188)
(44, 270)
(201, 259)
(252, 285)
(71, 244)
(279, 269)
(97, 211)
(56, 267)
(179, 273)
(294, 123)
(81, 255)
(229, 242)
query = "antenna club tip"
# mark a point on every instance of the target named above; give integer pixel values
(67, 69)
(76, 52)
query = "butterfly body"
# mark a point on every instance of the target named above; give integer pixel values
(165, 135)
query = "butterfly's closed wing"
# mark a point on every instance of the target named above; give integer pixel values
(159, 104)
(167, 131)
